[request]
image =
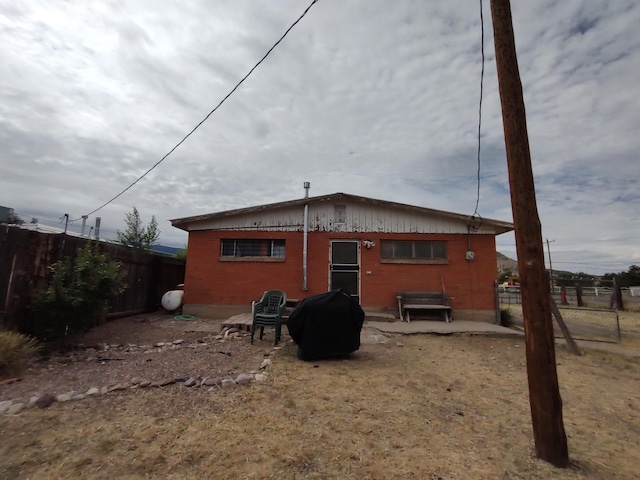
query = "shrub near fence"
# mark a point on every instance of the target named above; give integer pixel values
(25, 258)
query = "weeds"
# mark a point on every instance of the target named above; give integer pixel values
(506, 318)
(15, 350)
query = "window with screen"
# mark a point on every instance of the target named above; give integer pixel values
(260, 248)
(413, 250)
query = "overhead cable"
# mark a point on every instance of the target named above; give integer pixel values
(209, 114)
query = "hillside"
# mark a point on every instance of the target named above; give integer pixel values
(506, 263)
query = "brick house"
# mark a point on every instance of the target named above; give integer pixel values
(372, 248)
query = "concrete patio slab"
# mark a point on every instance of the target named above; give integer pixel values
(443, 328)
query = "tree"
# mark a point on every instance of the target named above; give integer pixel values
(136, 234)
(181, 254)
(630, 278)
(79, 293)
(504, 274)
(14, 219)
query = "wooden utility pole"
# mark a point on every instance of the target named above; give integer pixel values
(550, 264)
(544, 394)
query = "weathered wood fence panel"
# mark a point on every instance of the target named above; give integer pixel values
(25, 258)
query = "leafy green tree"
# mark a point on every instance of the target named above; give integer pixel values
(181, 254)
(136, 234)
(630, 278)
(504, 274)
(78, 294)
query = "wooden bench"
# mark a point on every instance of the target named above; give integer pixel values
(423, 302)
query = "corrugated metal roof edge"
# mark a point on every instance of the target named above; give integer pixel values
(183, 223)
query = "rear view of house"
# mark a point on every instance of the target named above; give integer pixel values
(371, 248)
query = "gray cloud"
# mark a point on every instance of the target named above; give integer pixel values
(364, 97)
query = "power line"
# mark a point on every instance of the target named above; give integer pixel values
(480, 103)
(210, 113)
(475, 213)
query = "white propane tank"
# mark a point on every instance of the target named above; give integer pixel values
(172, 300)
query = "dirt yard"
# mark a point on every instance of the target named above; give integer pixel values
(421, 406)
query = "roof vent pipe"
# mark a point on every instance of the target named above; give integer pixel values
(305, 229)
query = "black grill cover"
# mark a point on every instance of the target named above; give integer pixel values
(326, 325)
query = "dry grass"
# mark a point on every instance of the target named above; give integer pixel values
(593, 324)
(425, 408)
(15, 350)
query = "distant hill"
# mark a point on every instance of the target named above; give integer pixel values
(506, 263)
(171, 251)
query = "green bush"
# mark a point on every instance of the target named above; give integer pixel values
(506, 318)
(78, 294)
(15, 349)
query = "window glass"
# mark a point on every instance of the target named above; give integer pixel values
(252, 248)
(344, 253)
(409, 249)
(439, 249)
(278, 248)
(422, 250)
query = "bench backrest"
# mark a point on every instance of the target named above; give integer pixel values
(423, 298)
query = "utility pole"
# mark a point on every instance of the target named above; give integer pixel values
(66, 222)
(550, 264)
(544, 394)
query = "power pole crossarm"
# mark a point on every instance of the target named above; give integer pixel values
(544, 394)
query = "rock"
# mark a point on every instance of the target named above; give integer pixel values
(32, 401)
(63, 397)
(45, 400)
(163, 383)
(160, 344)
(144, 384)
(92, 391)
(134, 381)
(117, 386)
(243, 379)
(178, 342)
(201, 340)
(233, 330)
(228, 383)
(191, 382)
(78, 396)
(277, 348)
(266, 363)
(15, 408)
(219, 337)
(260, 377)
(210, 382)
(399, 344)
(5, 406)
(234, 335)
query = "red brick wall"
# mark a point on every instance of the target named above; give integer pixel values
(211, 281)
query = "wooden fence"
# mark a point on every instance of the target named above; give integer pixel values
(25, 258)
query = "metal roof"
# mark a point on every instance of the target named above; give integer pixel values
(183, 223)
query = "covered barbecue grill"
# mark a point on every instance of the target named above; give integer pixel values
(326, 325)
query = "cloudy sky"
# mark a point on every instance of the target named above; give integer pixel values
(372, 98)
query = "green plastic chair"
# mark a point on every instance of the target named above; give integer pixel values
(268, 313)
